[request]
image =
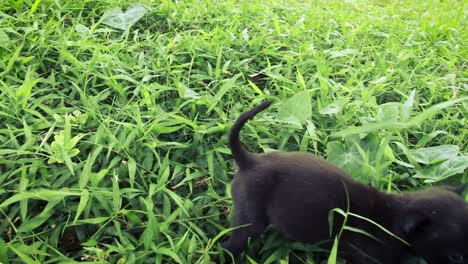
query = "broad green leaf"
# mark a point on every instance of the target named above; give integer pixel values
(23, 184)
(164, 174)
(357, 157)
(96, 178)
(210, 162)
(251, 260)
(46, 195)
(442, 171)
(255, 87)
(426, 138)
(81, 206)
(170, 253)
(433, 155)
(331, 109)
(228, 84)
(408, 106)
(178, 200)
(25, 89)
(168, 220)
(186, 92)
(116, 195)
(431, 111)
(96, 220)
(369, 128)
(23, 255)
(296, 110)
(388, 112)
(68, 162)
(67, 56)
(4, 38)
(86, 172)
(82, 29)
(90, 243)
(131, 171)
(62, 149)
(341, 53)
(34, 6)
(123, 20)
(339, 155)
(300, 79)
(30, 224)
(398, 125)
(12, 60)
(190, 176)
(3, 252)
(152, 228)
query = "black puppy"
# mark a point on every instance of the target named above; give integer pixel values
(294, 192)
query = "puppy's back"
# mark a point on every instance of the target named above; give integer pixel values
(305, 189)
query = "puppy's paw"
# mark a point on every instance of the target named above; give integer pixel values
(227, 246)
(232, 247)
(232, 253)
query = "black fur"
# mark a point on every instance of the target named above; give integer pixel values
(242, 157)
(294, 192)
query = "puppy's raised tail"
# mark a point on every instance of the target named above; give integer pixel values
(242, 157)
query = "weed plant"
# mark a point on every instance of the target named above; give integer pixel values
(114, 114)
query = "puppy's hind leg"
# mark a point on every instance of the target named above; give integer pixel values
(255, 223)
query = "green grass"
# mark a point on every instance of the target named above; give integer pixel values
(113, 143)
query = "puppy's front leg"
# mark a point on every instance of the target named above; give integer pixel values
(255, 225)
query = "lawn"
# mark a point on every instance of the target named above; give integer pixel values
(113, 144)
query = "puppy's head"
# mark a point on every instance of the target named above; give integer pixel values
(435, 223)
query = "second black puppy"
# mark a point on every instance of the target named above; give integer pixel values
(294, 192)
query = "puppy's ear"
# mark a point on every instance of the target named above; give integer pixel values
(414, 224)
(460, 189)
